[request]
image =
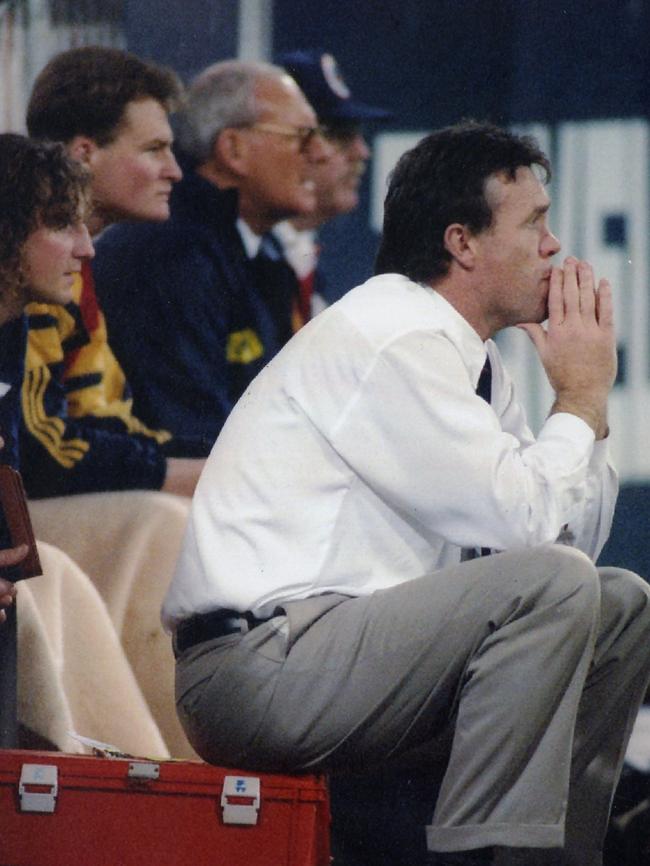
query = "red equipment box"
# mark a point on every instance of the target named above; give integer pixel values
(60, 810)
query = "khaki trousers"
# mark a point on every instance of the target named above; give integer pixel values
(522, 672)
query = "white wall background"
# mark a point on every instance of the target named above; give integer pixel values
(32, 31)
(30, 34)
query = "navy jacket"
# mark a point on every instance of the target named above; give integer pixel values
(184, 316)
(13, 339)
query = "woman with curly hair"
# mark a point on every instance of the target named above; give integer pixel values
(43, 240)
(72, 671)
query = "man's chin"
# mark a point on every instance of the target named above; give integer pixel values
(542, 315)
(305, 206)
(347, 203)
(158, 213)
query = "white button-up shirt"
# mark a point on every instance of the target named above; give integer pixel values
(361, 457)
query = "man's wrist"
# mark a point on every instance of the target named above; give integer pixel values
(594, 416)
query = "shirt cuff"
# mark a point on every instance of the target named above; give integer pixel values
(600, 454)
(571, 427)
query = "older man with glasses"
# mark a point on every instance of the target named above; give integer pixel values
(338, 180)
(198, 305)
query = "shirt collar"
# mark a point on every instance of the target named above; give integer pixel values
(250, 240)
(463, 335)
(288, 234)
(299, 247)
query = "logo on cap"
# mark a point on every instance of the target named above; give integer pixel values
(333, 77)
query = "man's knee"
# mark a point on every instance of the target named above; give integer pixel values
(570, 565)
(625, 594)
(570, 578)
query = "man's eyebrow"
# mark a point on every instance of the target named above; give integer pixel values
(160, 141)
(538, 211)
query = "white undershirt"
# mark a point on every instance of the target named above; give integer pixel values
(299, 247)
(250, 240)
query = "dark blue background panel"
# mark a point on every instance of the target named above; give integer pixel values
(629, 542)
(188, 35)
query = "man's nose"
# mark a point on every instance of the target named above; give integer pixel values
(551, 245)
(358, 148)
(83, 248)
(319, 149)
(172, 168)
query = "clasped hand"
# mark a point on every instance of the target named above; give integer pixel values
(578, 346)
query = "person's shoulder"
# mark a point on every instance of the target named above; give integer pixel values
(130, 235)
(13, 336)
(143, 248)
(390, 304)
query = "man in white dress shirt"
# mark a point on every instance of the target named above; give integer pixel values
(331, 608)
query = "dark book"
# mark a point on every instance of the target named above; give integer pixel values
(17, 525)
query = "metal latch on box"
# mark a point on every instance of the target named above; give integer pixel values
(240, 799)
(143, 771)
(38, 787)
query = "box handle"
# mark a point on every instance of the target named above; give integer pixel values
(38, 787)
(240, 799)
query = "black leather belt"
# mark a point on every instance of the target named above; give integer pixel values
(208, 626)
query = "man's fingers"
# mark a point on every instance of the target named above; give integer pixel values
(7, 593)
(13, 555)
(555, 297)
(587, 291)
(605, 304)
(570, 291)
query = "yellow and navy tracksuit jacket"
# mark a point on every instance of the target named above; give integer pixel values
(79, 433)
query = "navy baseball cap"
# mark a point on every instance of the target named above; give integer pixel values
(318, 76)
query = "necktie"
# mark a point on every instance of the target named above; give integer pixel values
(277, 286)
(484, 387)
(301, 312)
(484, 390)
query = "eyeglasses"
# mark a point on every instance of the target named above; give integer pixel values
(304, 134)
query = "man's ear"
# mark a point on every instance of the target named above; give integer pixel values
(460, 243)
(82, 148)
(231, 151)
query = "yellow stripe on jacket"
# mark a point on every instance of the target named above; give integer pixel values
(69, 365)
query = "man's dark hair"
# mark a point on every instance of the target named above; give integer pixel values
(442, 181)
(85, 91)
(40, 185)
